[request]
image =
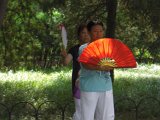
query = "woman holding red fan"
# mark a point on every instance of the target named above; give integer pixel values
(95, 83)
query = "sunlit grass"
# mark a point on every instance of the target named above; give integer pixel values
(138, 82)
(55, 84)
(35, 86)
(31, 75)
(142, 71)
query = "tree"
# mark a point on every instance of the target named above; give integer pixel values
(138, 29)
(111, 6)
(30, 37)
(149, 7)
(3, 5)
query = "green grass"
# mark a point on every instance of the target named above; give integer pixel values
(140, 81)
(55, 85)
(139, 87)
(35, 87)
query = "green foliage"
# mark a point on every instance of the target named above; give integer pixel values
(149, 7)
(30, 36)
(137, 33)
(154, 49)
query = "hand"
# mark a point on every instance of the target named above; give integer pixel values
(77, 83)
(63, 53)
(106, 68)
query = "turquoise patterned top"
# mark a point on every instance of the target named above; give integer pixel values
(94, 80)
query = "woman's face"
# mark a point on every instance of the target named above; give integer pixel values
(96, 32)
(84, 36)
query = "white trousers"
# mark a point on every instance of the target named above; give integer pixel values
(98, 105)
(77, 113)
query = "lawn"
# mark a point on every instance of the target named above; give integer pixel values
(46, 94)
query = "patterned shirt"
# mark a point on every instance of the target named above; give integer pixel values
(94, 80)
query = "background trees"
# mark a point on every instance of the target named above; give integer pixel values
(30, 36)
(3, 5)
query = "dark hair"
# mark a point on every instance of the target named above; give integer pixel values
(93, 23)
(80, 29)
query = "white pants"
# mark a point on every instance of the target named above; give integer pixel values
(97, 104)
(77, 113)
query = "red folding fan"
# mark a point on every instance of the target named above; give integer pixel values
(110, 52)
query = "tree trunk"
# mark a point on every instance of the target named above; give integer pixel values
(111, 6)
(3, 6)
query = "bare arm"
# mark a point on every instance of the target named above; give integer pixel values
(67, 57)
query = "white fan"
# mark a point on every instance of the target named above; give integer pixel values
(64, 35)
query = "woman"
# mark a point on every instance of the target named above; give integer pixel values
(95, 84)
(72, 55)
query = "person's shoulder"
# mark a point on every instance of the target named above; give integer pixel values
(83, 46)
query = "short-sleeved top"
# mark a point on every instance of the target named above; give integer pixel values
(94, 80)
(76, 66)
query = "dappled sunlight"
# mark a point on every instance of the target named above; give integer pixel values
(31, 75)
